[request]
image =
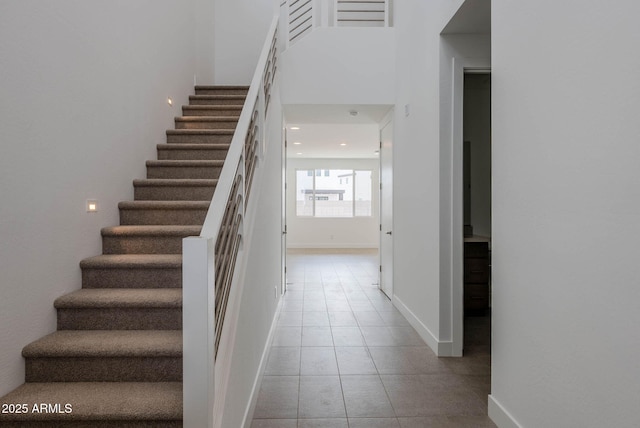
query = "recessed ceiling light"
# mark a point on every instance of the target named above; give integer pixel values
(294, 128)
(299, 153)
(343, 144)
(297, 143)
(169, 101)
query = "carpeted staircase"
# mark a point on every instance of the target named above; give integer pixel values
(116, 359)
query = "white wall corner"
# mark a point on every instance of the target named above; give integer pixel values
(499, 415)
(441, 349)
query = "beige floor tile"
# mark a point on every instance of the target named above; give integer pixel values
(318, 361)
(355, 361)
(364, 396)
(321, 397)
(278, 398)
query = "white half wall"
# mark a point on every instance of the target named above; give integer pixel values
(262, 279)
(83, 103)
(566, 205)
(316, 232)
(340, 66)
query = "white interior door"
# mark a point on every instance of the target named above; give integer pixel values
(386, 209)
(283, 244)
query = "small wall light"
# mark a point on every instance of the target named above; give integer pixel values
(169, 101)
(92, 205)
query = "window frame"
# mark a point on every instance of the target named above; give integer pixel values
(322, 172)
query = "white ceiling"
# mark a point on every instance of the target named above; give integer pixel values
(324, 128)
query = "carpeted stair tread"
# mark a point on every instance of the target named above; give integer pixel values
(174, 189)
(220, 87)
(152, 230)
(137, 261)
(200, 136)
(146, 239)
(207, 118)
(216, 97)
(175, 182)
(99, 402)
(210, 110)
(200, 131)
(187, 146)
(107, 343)
(182, 163)
(121, 298)
(165, 205)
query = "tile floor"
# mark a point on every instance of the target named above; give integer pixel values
(344, 357)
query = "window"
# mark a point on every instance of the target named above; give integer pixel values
(333, 193)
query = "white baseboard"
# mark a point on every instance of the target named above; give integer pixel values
(251, 407)
(500, 416)
(441, 349)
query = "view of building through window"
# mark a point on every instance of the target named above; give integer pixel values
(333, 193)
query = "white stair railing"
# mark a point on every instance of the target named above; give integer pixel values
(361, 13)
(300, 19)
(209, 261)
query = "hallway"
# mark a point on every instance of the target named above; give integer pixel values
(344, 357)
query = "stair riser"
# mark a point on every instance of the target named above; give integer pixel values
(215, 102)
(193, 172)
(199, 139)
(166, 193)
(104, 369)
(162, 217)
(222, 91)
(120, 319)
(132, 278)
(142, 244)
(192, 154)
(195, 111)
(206, 124)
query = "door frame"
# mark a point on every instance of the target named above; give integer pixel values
(460, 67)
(388, 120)
(283, 207)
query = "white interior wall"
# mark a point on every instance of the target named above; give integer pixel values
(240, 27)
(315, 232)
(83, 103)
(416, 160)
(565, 213)
(340, 66)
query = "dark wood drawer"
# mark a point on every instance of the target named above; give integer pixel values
(476, 296)
(476, 249)
(476, 270)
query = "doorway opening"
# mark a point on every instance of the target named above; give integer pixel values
(476, 191)
(332, 180)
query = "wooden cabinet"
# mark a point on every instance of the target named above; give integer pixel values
(476, 273)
